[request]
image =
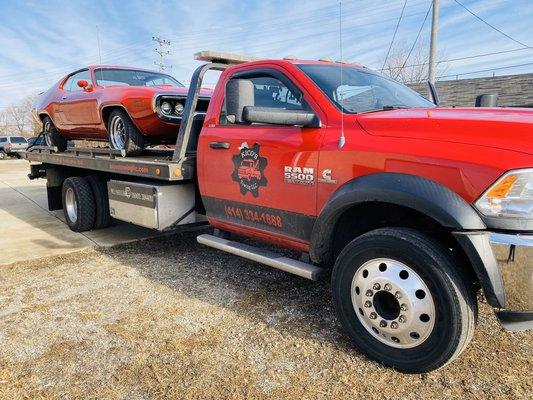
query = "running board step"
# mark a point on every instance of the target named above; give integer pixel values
(266, 257)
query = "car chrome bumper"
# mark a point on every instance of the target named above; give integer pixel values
(514, 254)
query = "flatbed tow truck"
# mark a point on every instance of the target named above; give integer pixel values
(408, 208)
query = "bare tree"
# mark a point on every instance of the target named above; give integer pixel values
(32, 125)
(18, 119)
(4, 123)
(409, 67)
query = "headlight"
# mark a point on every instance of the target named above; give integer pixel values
(166, 108)
(510, 197)
(178, 109)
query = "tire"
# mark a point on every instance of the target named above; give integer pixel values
(428, 314)
(3, 155)
(78, 204)
(123, 134)
(101, 200)
(52, 136)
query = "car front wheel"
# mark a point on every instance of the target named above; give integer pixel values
(402, 299)
(123, 134)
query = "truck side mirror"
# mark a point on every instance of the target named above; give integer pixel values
(239, 94)
(487, 100)
(280, 116)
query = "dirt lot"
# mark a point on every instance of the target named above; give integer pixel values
(161, 319)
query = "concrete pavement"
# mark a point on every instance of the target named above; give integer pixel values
(29, 231)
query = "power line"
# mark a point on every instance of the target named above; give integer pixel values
(394, 35)
(462, 58)
(492, 26)
(416, 40)
(487, 70)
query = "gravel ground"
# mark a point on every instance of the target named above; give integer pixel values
(165, 318)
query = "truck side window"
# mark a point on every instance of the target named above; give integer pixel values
(271, 92)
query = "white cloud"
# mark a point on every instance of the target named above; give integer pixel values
(42, 41)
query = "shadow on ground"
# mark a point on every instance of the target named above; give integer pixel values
(290, 304)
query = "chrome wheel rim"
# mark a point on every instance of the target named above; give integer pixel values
(393, 303)
(47, 129)
(71, 205)
(117, 133)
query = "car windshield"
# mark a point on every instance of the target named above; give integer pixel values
(362, 91)
(18, 139)
(131, 77)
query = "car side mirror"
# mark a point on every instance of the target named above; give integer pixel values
(280, 116)
(239, 94)
(84, 84)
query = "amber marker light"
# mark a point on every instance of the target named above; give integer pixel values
(502, 188)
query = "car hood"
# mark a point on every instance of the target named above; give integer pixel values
(504, 128)
(204, 92)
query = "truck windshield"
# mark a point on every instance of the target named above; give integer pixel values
(362, 91)
(18, 139)
(131, 77)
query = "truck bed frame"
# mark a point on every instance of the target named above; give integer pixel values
(151, 164)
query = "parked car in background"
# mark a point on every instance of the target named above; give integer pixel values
(128, 107)
(37, 141)
(12, 146)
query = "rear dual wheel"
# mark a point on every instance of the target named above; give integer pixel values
(401, 298)
(85, 203)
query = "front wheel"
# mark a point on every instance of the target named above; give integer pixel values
(401, 298)
(123, 134)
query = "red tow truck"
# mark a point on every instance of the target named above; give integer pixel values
(409, 208)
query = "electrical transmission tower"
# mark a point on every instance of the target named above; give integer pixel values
(161, 44)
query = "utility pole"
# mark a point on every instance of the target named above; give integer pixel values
(161, 51)
(433, 42)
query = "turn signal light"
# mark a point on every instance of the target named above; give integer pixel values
(502, 188)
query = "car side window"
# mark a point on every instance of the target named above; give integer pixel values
(71, 84)
(271, 92)
(3, 140)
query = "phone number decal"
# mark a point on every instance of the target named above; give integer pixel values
(253, 216)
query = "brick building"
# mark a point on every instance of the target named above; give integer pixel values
(512, 90)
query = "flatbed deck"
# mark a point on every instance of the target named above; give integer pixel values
(152, 163)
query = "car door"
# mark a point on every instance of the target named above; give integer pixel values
(262, 177)
(79, 106)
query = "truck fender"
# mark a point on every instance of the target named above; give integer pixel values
(421, 194)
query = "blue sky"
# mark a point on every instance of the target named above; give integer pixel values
(40, 41)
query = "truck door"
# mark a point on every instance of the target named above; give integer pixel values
(262, 177)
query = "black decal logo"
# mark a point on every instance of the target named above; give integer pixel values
(249, 169)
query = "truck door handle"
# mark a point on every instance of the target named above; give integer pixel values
(219, 145)
(64, 98)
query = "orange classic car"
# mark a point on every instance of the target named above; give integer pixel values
(128, 107)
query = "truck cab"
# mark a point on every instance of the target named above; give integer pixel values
(409, 208)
